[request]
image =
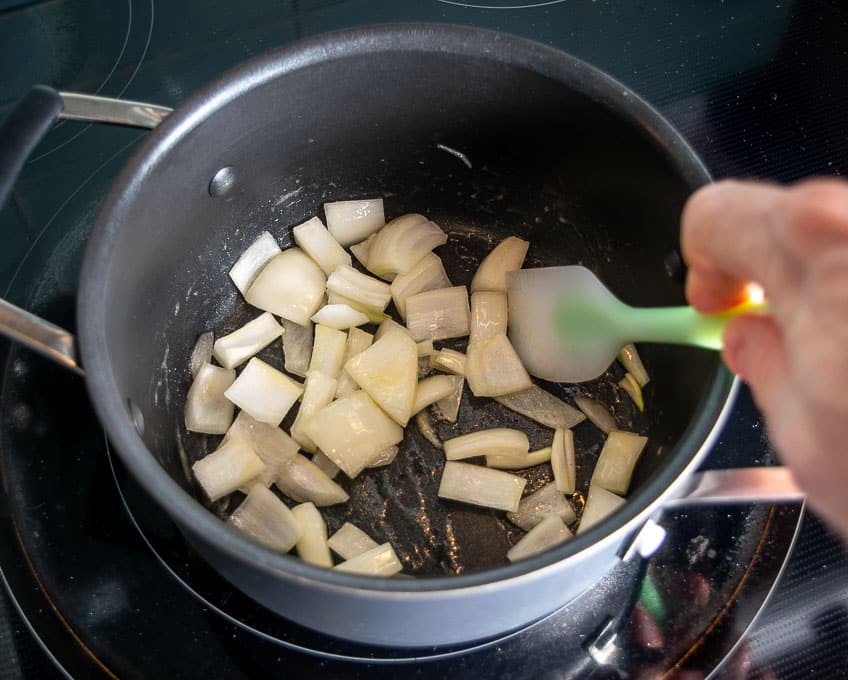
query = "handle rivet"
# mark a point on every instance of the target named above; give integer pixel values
(223, 182)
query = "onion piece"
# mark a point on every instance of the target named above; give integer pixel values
(388, 372)
(438, 314)
(291, 286)
(318, 391)
(630, 385)
(353, 221)
(374, 315)
(324, 464)
(297, 347)
(340, 317)
(202, 352)
(480, 485)
(267, 520)
(328, 351)
(312, 544)
(448, 361)
(563, 461)
(425, 427)
(352, 431)
(361, 250)
(401, 244)
(227, 468)
(493, 368)
(350, 541)
(534, 508)
(359, 287)
(270, 443)
(498, 441)
(617, 460)
(507, 256)
(264, 392)
(207, 409)
(600, 503)
(379, 561)
(385, 457)
(314, 239)
(234, 349)
(488, 315)
(425, 349)
(448, 407)
(390, 326)
(430, 390)
(427, 274)
(518, 463)
(597, 413)
(252, 261)
(543, 407)
(303, 481)
(629, 358)
(546, 534)
(358, 341)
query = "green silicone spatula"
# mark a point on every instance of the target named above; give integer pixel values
(567, 327)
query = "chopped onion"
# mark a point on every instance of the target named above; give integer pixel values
(543, 407)
(518, 462)
(385, 457)
(207, 409)
(629, 358)
(324, 464)
(448, 407)
(314, 239)
(546, 534)
(427, 274)
(401, 244)
(291, 286)
(498, 441)
(425, 349)
(488, 315)
(350, 541)
(438, 314)
(630, 385)
(227, 468)
(202, 352)
(534, 508)
(430, 390)
(374, 315)
(352, 431)
(303, 481)
(600, 503)
(388, 372)
(425, 427)
(379, 561)
(270, 443)
(563, 461)
(328, 351)
(340, 316)
(493, 368)
(353, 221)
(359, 287)
(361, 250)
(480, 485)
(318, 391)
(617, 460)
(507, 256)
(597, 413)
(252, 261)
(234, 349)
(389, 326)
(449, 361)
(297, 347)
(312, 544)
(267, 520)
(358, 341)
(264, 392)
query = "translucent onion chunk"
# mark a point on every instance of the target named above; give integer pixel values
(291, 286)
(358, 341)
(314, 239)
(448, 361)
(488, 315)
(252, 261)
(207, 410)
(401, 244)
(430, 390)
(318, 391)
(597, 413)
(379, 561)
(350, 541)
(629, 384)
(629, 358)
(427, 274)
(425, 427)
(267, 520)
(264, 392)
(227, 468)
(353, 221)
(534, 508)
(425, 349)
(507, 256)
(202, 352)
(270, 443)
(328, 351)
(493, 368)
(498, 441)
(482, 486)
(563, 462)
(448, 407)
(297, 347)
(360, 287)
(600, 504)
(385, 457)
(519, 463)
(312, 545)
(618, 458)
(543, 407)
(361, 250)
(234, 349)
(303, 481)
(438, 314)
(545, 535)
(390, 326)
(353, 431)
(374, 315)
(326, 466)
(340, 316)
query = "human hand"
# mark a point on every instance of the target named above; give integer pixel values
(793, 241)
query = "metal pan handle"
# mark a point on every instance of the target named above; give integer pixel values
(740, 485)
(20, 133)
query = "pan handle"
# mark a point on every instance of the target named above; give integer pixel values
(20, 133)
(739, 485)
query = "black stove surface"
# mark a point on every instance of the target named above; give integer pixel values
(101, 578)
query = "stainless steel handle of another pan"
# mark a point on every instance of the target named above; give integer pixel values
(22, 130)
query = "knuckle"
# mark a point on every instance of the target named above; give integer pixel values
(815, 207)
